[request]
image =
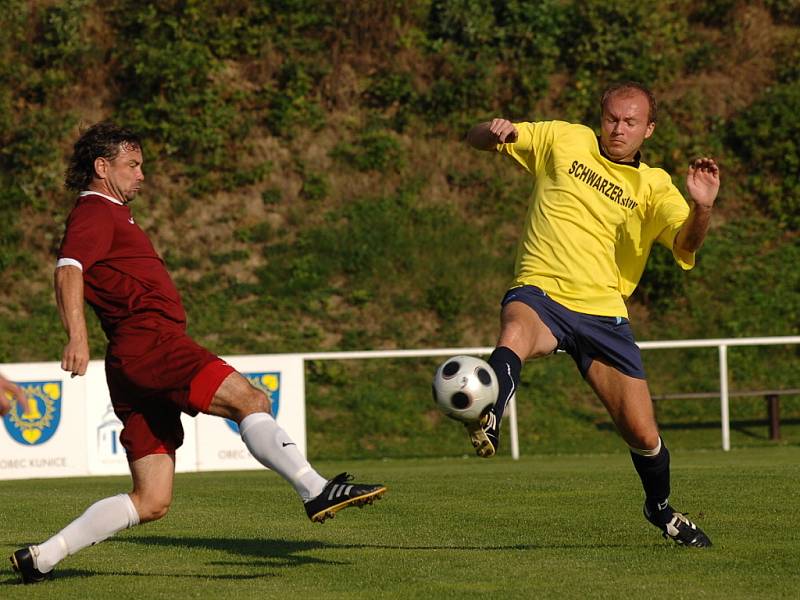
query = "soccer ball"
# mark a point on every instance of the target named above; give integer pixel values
(464, 388)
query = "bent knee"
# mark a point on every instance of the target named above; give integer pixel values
(151, 510)
(255, 401)
(643, 443)
(246, 403)
(154, 513)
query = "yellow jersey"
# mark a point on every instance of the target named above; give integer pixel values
(591, 221)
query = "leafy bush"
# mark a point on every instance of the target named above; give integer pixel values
(315, 187)
(392, 92)
(685, 130)
(712, 14)
(747, 283)
(292, 102)
(490, 56)
(766, 138)
(372, 150)
(173, 84)
(784, 11)
(388, 88)
(271, 196)
(224, 258)
(259, 233)
(12, 198)
(787, 55)
(662, 282)
(62, 42)
(613, 41)
(43, 51)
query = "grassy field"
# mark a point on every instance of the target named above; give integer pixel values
(542, 527)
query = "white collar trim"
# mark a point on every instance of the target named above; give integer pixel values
(109, 198)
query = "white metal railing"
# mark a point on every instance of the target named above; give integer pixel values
(722, 344)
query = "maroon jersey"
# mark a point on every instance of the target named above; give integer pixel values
(125, 281)
(153, 369)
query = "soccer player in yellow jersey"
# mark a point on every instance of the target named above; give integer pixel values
(593, 216)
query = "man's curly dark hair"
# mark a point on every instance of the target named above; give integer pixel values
(101, 140)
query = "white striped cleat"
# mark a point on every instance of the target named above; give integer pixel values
(680, 530)
(485, 434)
(339, 493)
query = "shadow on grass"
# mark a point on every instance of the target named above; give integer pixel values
(61, 574)
(281, 552)
(287, 549)
(261, 554)
(277, 553)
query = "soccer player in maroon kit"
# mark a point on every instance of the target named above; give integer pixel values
(154, 369)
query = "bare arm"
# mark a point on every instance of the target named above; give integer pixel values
(69, 298)
(702, 182)
(485, 136)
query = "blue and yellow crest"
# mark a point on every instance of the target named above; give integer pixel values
(270, 384)
(37, 424)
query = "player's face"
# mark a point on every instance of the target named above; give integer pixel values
(123, 175)
(625, 124)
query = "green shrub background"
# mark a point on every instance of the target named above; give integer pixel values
(309, 188)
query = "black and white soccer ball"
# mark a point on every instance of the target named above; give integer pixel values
(464, 388)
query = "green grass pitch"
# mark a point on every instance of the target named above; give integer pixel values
(546, 526)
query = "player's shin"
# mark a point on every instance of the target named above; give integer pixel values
(508, 368)
(272, 447)
(653, 469)
(101, 520)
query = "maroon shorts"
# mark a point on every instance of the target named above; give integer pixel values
(154, 376)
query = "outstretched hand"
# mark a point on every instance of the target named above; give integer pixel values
(702, 181)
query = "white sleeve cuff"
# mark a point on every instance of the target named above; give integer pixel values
(64, 262)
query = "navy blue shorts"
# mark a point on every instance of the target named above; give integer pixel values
(584, 337)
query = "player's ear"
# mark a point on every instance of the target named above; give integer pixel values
(650, 128)
(100, 167)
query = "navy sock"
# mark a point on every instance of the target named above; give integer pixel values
(654, 473)
(508, 368)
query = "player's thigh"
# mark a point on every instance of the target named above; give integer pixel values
(236, 398)
(524, 332)
(628, 401)
(153, 478)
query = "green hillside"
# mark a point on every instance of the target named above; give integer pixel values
(309, 188)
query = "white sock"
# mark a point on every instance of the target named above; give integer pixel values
(101, 520)
(273, 448)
